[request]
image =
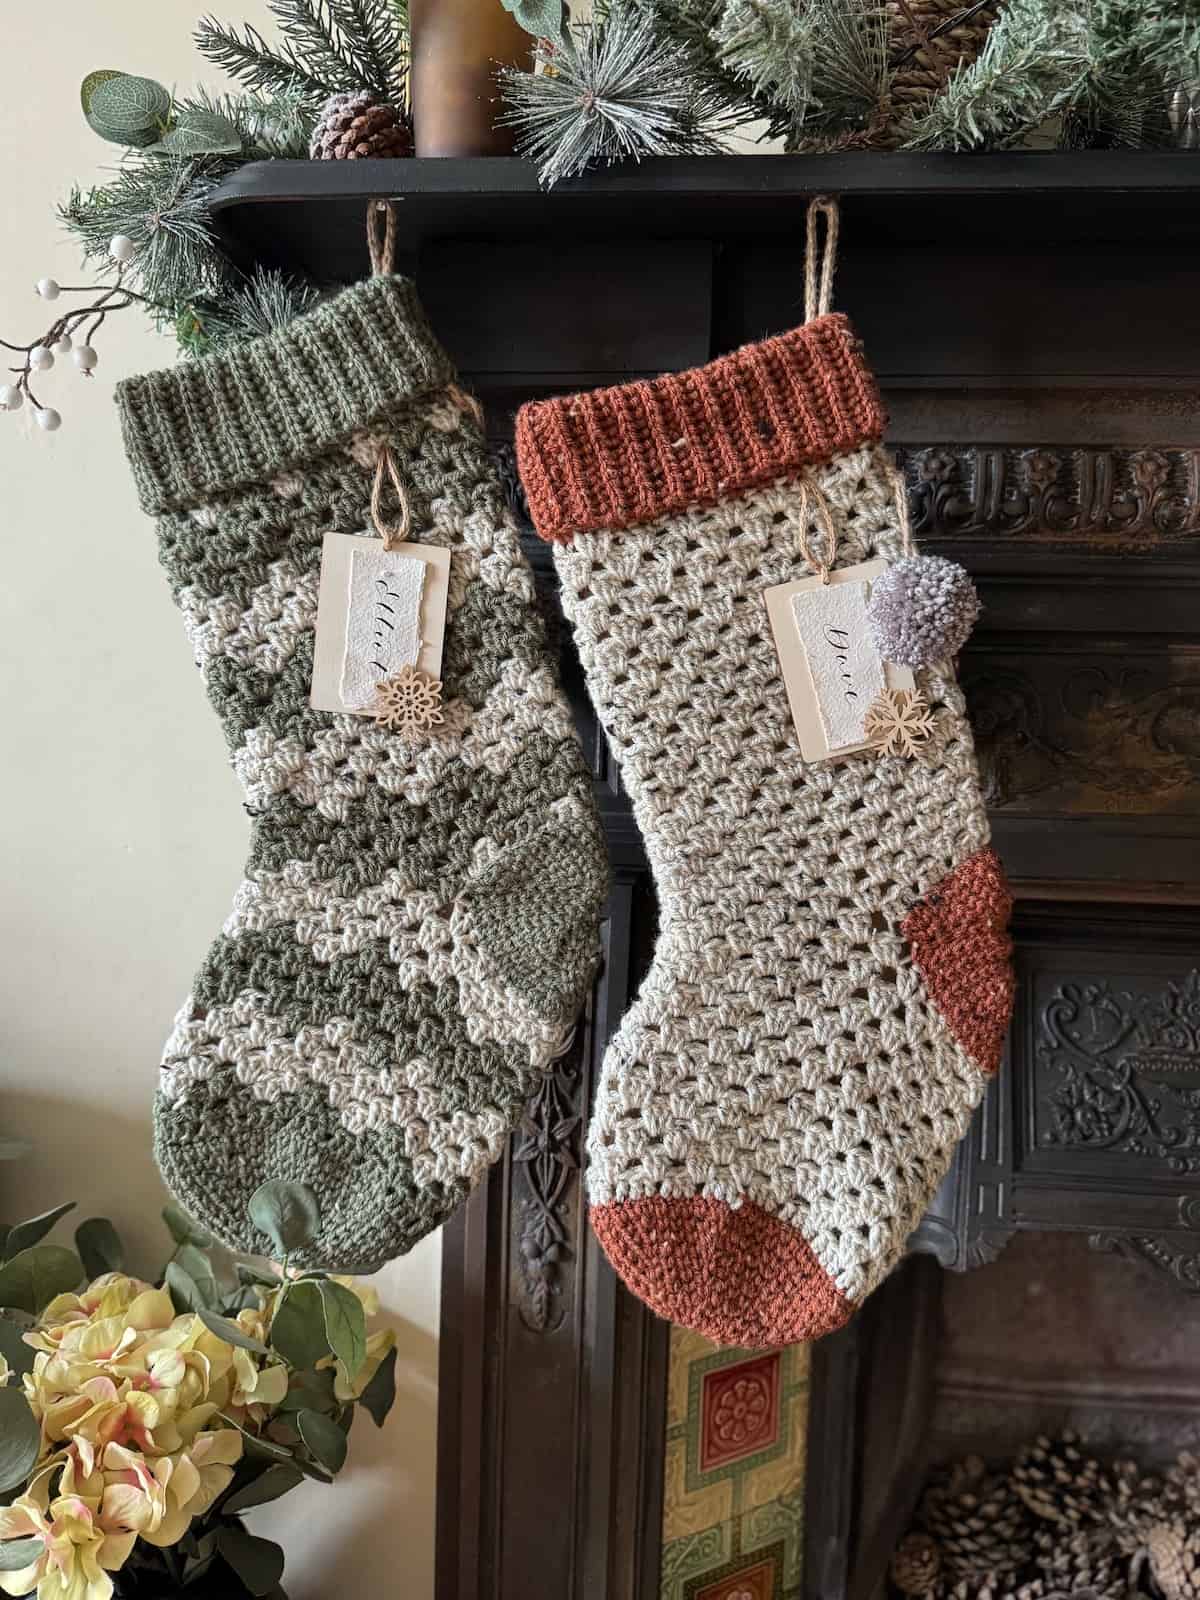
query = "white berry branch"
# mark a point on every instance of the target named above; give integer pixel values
(59, 339)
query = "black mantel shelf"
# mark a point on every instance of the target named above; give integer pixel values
(308, 214)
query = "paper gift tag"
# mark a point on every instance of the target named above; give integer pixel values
(831, 668)
(377, 611)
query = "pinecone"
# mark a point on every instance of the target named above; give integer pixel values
(1060, 1484)
(1175, 1560)
(916, 1565)
(980, 1526)
(1181, 1488)
(352, 127)
(1136, 1505)
(1086, 1560)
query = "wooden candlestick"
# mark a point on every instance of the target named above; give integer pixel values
(457, 46)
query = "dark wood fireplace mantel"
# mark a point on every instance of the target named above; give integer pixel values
(1035, 323)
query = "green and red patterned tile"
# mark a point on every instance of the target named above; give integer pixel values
(733, 1503)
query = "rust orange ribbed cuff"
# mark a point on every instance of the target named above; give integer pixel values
(618, 457)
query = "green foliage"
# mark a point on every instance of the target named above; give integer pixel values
(541, 18)
(1034, 60)
(34, 1231)
(617, 91)
(850, 65)
(20, 1439)
(345, 1325)
(13, 1348)
(314, 1323)
(287, 1213)
(160, 201)
(199, 131)
(92, 82)
(818, 71)
(99, 1247)
(1130, 56)
(278, 1479)
(18, 1553)
(30, 1279)
(258, 1563)
(177, 150)
(261, 304)
(379, 1396)
(298, 1329)
(277, 126)
(311, 1391)
(257, 1445)
(323, 1438)
(124, 109)
(230, 1332)
(771, 45)
(326, 47)
(182, 1229)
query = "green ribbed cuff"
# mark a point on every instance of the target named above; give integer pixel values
(206, 427)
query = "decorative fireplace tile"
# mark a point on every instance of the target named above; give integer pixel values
(733, 1521)
(739, 1412)
(762, 1581)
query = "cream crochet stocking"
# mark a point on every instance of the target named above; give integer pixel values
(831, 985)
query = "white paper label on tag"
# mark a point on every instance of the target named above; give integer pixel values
(831, 667)
(383, 621)
(846, 668)
(377, 611)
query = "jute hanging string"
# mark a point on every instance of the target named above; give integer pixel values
(819, 268)
(381, 243)
(820, 263)
(381, 237)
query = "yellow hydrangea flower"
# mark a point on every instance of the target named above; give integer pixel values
(132, 1398)
(77, 1552)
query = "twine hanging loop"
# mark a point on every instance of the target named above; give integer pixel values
(819, 265)
(381, 243)
(814, 505)
(394, 531)
(381, 237)
(908, 544)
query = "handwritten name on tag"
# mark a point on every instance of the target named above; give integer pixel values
(831, 668)
(383, 623)
(377, 611)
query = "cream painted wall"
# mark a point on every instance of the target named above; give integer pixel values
(121, 829)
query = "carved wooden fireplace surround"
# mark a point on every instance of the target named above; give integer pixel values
(1035, 323)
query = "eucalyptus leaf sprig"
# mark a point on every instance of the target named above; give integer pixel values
(542, 19)
(139, 113)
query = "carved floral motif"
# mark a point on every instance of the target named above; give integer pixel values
(1126, 1071)
(1114, 738)
(1169, 1256)
(1052, 493)
(546, 1154)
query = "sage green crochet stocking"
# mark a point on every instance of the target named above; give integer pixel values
(418, 923)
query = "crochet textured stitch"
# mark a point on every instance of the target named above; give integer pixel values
(832, 981)
(418, 923)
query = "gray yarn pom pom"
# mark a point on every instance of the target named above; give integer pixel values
(922, 610)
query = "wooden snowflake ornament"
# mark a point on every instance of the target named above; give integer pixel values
(899, 723)
(408, 703)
